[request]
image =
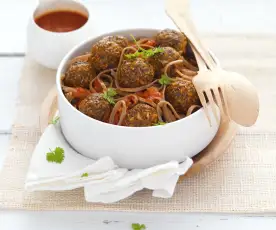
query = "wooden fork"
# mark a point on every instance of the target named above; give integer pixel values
(210, 89)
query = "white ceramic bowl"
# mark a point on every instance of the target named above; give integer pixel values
(131, 147)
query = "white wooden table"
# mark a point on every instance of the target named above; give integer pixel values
(217, 16)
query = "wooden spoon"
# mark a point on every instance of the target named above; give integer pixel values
(241, 97)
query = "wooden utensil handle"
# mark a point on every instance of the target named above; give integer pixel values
(178, 11)
(181, 23)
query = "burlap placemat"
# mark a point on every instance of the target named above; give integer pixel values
(242, 180)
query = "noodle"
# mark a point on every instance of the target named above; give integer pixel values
(183, 76)
(189, 72)
(110, 79)
(106, 71)
(69, 96)
(98, 77)
(165, 110)
(151, 103)
(189, 65)
(101, 83)
(122, 93)
(143, 40)
(83, 58)
(123, 53)
(117, 107)
(192, 109)
(128, 98)
(171, 64)
(68, 89)
(163, 90)
(146, 46)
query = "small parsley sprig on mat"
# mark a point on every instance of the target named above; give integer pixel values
(84, 175)
(109, 94)
(55, 156)
(136, 226)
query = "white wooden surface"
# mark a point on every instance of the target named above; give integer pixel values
(219, 16)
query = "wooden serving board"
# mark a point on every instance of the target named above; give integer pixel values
(216, 148)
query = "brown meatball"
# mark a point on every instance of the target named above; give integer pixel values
(105, 55)
(141, 115)
(182, 95)
(160, 60)
(120, 40)
(96, 106)
(79, 74)
(135, 73)
(172, 38)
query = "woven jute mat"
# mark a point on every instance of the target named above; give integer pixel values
(242, 180)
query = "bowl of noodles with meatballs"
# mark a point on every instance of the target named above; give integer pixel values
(129, 95)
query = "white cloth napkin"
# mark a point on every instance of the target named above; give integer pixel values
(106, 182)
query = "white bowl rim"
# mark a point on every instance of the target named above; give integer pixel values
(90, 39)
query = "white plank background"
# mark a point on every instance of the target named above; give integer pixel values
(218, 16)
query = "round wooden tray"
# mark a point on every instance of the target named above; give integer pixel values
(217, 147)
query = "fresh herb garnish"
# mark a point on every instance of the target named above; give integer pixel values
(134, 55)
(142, 52)
(145, 53)
(151, 52)
(109, 94)
(165, 80)
(55, 120)
(138, 226)
(55, 156)
(135, 41)
(84, 175)
(160, 123)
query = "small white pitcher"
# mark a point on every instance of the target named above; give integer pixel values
(48, 48)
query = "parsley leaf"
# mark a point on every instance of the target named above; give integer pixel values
(145, 53)
(84, 175)
(55, 156)
(142, 52)
(151, 52)
(165, 80)
(134, 55)
(138, 226)
(55, 120)
(109, 94)
(160, 123)
(136, 43)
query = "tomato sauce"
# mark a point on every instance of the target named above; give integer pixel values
(61, 21)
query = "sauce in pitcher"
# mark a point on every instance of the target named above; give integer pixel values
(61, 21)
